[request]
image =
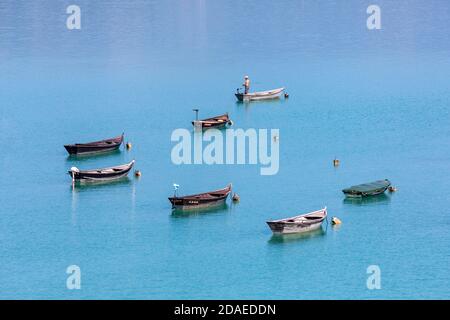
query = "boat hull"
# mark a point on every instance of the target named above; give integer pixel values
(186, 205)
(85, 150)
(281, 228)
(299, 224)
(201, 200)
(95, 147)
(92, 176)
(217, 122)
(368, 189)
(204, 125)
(365, 194)
(264, 95)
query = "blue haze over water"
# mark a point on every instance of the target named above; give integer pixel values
(377, 100)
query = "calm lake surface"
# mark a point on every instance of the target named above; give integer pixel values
(377, 100)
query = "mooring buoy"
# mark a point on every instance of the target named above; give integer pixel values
(236, 197)
(392, 189)
(128, 145)
(336, 162)
(335, 221)
(286, 95)
(137, 173)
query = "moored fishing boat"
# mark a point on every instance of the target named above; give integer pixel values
(95, 146)
(217, 122)
(261, 95)
(201, 200)
(103, 174)
(367, 189)
(301, 223)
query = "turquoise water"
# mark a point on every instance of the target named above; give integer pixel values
(377, 100)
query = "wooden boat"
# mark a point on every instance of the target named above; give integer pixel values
(367, 189)
(302, 223)
(201, 200)
(214, 122)
(95, 146)
(103, 174)
(262, 95)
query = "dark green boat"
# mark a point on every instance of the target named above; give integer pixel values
(367, 189)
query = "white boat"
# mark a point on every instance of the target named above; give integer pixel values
(302, 223)
(262, 95)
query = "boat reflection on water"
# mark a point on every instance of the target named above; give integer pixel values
(365, 201)
(80, 186)
(85, 157)
(177, 213)
(293, 237)
(261, 103)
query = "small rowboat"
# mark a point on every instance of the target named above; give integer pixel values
(302, 223)
(214, 122)
(104, 174)
(262, 95)
(367, 189)
(95, 146)
(201, 200)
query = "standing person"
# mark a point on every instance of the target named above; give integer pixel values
(246, 84)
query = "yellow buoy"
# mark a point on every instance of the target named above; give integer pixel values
(335, 221)
(137, 173)
(128, 145)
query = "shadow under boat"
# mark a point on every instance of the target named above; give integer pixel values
(220, 208)
(293, 237)
(361, 201)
